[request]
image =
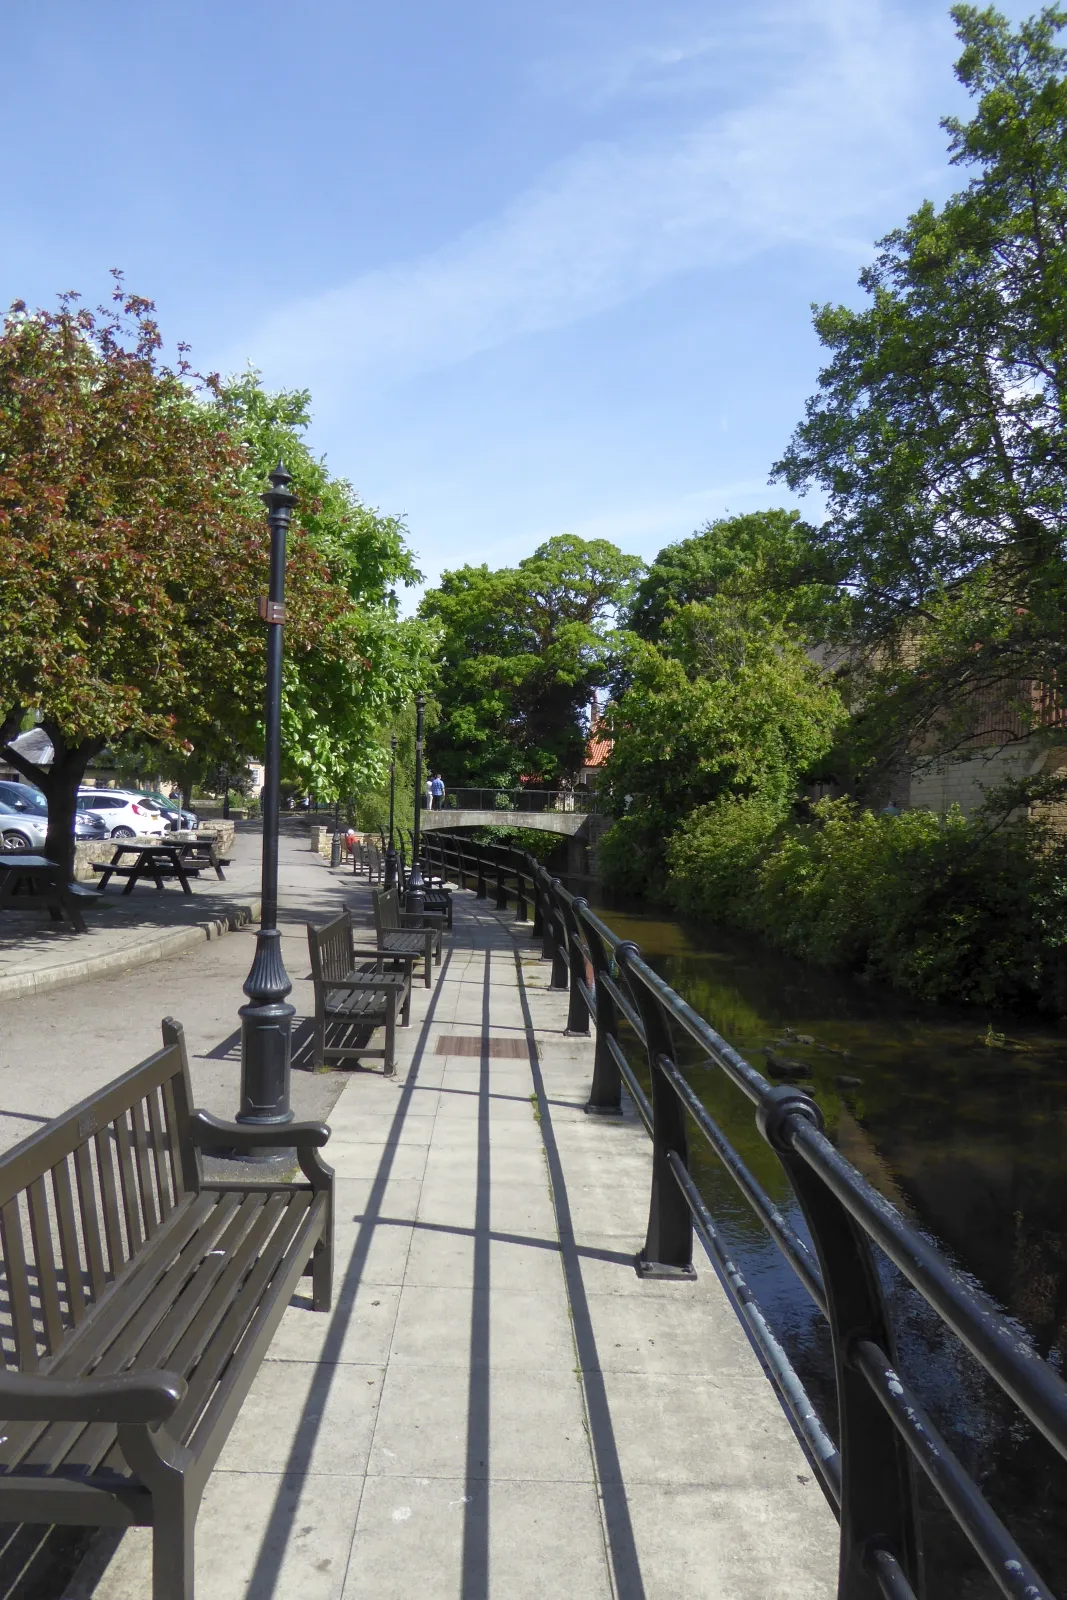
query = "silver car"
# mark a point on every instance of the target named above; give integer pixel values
(21, 828)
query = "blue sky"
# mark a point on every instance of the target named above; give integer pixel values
(545, 268)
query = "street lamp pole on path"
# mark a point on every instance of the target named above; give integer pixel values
(390, 854)
(266, 1021)
(416, 895)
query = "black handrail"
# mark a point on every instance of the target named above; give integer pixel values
(884, 1432)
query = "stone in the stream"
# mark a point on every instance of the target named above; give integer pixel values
(785, 1067)
(803, 1038)
(843, 1081)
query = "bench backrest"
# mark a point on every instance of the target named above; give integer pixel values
(80, 1198)
(386, 911)
(330, 949)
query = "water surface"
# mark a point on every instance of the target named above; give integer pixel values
(959, 1117)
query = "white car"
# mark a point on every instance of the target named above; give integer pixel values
(125, 816)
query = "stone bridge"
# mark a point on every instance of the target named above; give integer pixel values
(583, 830)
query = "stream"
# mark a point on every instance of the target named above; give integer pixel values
(956, 1115)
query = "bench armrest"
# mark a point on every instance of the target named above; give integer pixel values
(127, 1397)
(212, 1133)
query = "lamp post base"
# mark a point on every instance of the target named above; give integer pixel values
(391, 863)
(266, 1045)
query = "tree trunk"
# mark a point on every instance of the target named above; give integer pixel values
(59, 785)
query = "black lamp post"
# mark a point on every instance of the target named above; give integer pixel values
(390, 854)
(416, 895)
(266, 1021)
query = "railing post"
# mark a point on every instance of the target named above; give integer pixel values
(878, 1500)
(539, 877)
(501, 880)
(605, 1091)
(481, 893)
(668, 1249)
(520, 888)
(577, 1010)
(554, 921)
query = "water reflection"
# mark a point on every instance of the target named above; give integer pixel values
(959, 1118)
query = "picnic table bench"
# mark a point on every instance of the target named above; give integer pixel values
(200, 849)
(401, 933)
(141, 1301)
(353, 992)
(27, 881)
(157, 861)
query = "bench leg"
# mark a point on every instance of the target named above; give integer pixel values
(173, 1550)
(427, 961)
(322, 1271)
(390, 1034)
(319, 1049)
(162, 1466)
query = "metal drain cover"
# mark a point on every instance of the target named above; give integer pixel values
(471, 1044)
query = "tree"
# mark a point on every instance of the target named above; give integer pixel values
(767, 557)
(728, 704)
(131, 560)
(338, 705)
(939, 430)
(522, 649)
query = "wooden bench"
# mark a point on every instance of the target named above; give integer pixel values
(141, 1300)
(349, 992)
(406, 933)
(437, 897)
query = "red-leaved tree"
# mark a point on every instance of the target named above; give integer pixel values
(130, 560)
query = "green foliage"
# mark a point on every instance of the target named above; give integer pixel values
(939, 432)
(729, 705)
(535, 841)
(942, 907)
(522, 649)
(338, 707)
(765, 559)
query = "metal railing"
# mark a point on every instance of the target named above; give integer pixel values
(884, 1433)
(580, 799)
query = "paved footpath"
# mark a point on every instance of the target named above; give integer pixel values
(497, 1406)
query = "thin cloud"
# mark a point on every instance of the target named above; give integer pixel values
(806, 163)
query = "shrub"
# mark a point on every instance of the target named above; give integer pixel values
(943, 907)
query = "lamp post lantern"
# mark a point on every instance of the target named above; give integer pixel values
(390, 854)
(266, 1021)
(416, 895)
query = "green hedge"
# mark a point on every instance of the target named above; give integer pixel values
(941, 906)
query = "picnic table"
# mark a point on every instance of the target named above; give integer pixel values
(28, 880)
(155, 859)
(200, 849)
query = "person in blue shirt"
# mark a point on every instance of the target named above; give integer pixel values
(437, 789)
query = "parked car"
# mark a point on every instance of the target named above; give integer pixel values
(88, 824)
(125, 814)
(169, 810)
(25, 801)
(21, 829)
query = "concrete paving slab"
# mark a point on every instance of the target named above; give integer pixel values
(441, 1537)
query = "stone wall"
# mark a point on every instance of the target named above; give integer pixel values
(964, 783)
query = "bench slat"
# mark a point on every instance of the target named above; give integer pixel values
(149, 1198)
(216, 1353)
(18, 1286)
(89, 1212)
(44, 1258)
(160, 1147)
(270, 1303)
(131, 1212)
(68, 1240)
